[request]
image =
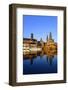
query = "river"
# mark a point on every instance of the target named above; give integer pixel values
(39, 63)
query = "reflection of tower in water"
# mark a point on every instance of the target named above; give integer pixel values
(41, 54)
(31, 57)
(49, 59)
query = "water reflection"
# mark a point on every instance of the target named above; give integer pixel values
(32, 56)
(49, 59)
(39, 63)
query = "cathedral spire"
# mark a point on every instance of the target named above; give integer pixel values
(50, 36)
(47, 38)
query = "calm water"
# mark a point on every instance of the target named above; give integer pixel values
(39, 64)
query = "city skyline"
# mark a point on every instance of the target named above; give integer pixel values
(40, 26)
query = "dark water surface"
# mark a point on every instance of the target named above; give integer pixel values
(39, 64)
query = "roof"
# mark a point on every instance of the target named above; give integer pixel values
(29, 39)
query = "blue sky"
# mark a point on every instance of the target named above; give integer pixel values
(40, 26)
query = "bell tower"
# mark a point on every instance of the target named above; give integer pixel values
(32, 36)
(50, 36)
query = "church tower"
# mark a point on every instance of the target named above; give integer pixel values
(42, 43)
(50, 36)
(47, 38)
(32, 36)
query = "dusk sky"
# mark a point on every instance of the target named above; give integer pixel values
(40, 26)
